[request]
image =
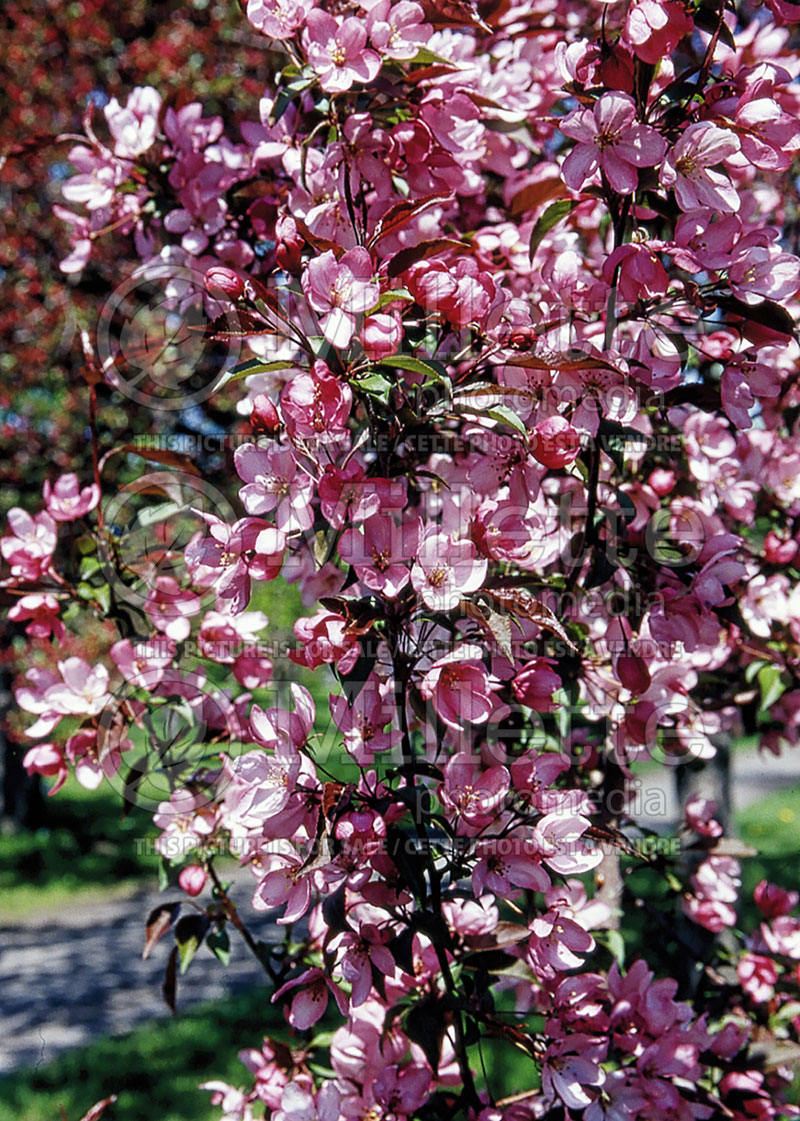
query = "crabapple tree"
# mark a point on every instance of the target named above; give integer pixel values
(506, 293)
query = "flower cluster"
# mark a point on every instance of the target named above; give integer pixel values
(520, 292)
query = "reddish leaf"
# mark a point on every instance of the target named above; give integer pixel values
(321, 244)
(408, 257)
(154, 455)
(222, 328)
(169, 988)
(401, 214)
(520, 602)
(535, 194)
(158, 923)
(99, 1108)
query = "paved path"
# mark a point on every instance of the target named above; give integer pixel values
(78, 975)
(71, 977)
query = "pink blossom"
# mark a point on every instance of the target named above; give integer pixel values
(700, 816)
(535, 685)
(558, 837)
(569, 1066)
(381, 335)
(169, 608)
(97, 179)
(653, 29)
(310, 1003)
(325, 638)
(252, 671)
(363, 721)
(66, 501)
(29, 550)
(142, 663)
(445, 570)
(42, 609)
(347, 494)
(379, 552)
(554, 442)
(401, 1091)
(278, 18)
(610, 139)
(773, 901)
(83, 751)
(48, 760)
(221, 636)
(340, 291)
(504, 865)
(757, 975)
(282, 881)
(640, 272)
(460, 688)
(689, 168)
(473, 795)
(397, 30)
(338, 51)
(135, 127)
(192, 879)
(298, 1104)
(316, 405)
(275, 482)
(231, 555)
(82, 691)
(556, 941)
(762, 272)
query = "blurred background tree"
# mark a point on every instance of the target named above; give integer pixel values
(58, 58)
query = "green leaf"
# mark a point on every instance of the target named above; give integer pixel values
(287, 95)
(256, 366)
(390, 297)
(220, 945)
(551, 217)
(771, 684)
(375, 384)
(428, 368)
(424, 57)
(189, 933)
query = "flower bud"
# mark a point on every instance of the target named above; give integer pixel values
(554, 442)
(289, 249)
(264, 416)
(662, 481)
(778, 550)
(192, 879)
(222, 281)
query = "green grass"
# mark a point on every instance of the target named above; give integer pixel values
(154, 1070)
(771, 825)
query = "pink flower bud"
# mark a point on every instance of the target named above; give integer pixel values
(192, 879)
(221, 281)
(381, 335)
(534, 686)
(264, 417)
(554, 442)
(778, 550)
(662, 481)
(290, 245)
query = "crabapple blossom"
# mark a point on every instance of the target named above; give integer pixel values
(66, 501)
(446, 569)
(340, 291)
(610, 139)
(459, 688)
(689, 168)
(338, 51)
